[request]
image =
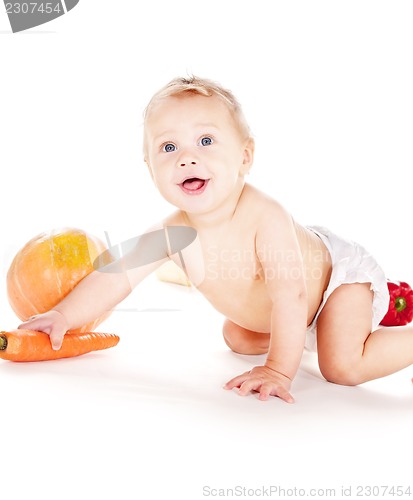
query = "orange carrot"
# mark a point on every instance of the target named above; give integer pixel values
(31, 345)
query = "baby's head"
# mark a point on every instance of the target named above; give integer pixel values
(192, 86)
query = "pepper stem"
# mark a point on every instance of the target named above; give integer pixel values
(400, 304)
(3, 342)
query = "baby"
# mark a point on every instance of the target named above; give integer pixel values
(280, 286)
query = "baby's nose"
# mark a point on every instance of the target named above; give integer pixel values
(187, 158)
(187, 162)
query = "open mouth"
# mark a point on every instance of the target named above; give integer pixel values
(194, 185)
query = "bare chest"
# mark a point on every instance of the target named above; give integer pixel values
(230, 276)
(232, 281)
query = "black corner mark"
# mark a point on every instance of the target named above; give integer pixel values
(26, 14)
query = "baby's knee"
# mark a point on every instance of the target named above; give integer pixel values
(230, 331)
(341, 372)
(244, 341)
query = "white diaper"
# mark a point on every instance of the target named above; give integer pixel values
(351, 263)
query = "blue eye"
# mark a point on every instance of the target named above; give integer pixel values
(169, 148)
(206, 141)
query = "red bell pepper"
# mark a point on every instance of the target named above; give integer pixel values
(400, 306)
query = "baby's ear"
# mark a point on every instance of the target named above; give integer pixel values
(248, 156)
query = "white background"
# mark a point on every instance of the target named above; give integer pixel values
(327, 89)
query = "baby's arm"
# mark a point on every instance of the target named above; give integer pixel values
(100, 291)
(280, 257)
(91, 298)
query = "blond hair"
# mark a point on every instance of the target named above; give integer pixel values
(200, 86)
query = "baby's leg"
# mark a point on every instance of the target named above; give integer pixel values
(244, 341)
(348, 352)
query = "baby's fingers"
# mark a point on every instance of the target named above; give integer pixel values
(251, 384)
(236, 381)
(56, 339)
(269, 389)
(43, 323)
(246, 383)
(36, 323)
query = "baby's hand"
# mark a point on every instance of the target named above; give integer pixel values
(264, 380)
(52, 322)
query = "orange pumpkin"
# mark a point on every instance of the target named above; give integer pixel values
(47, 268)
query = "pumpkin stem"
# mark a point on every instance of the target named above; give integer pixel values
(3, 342)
